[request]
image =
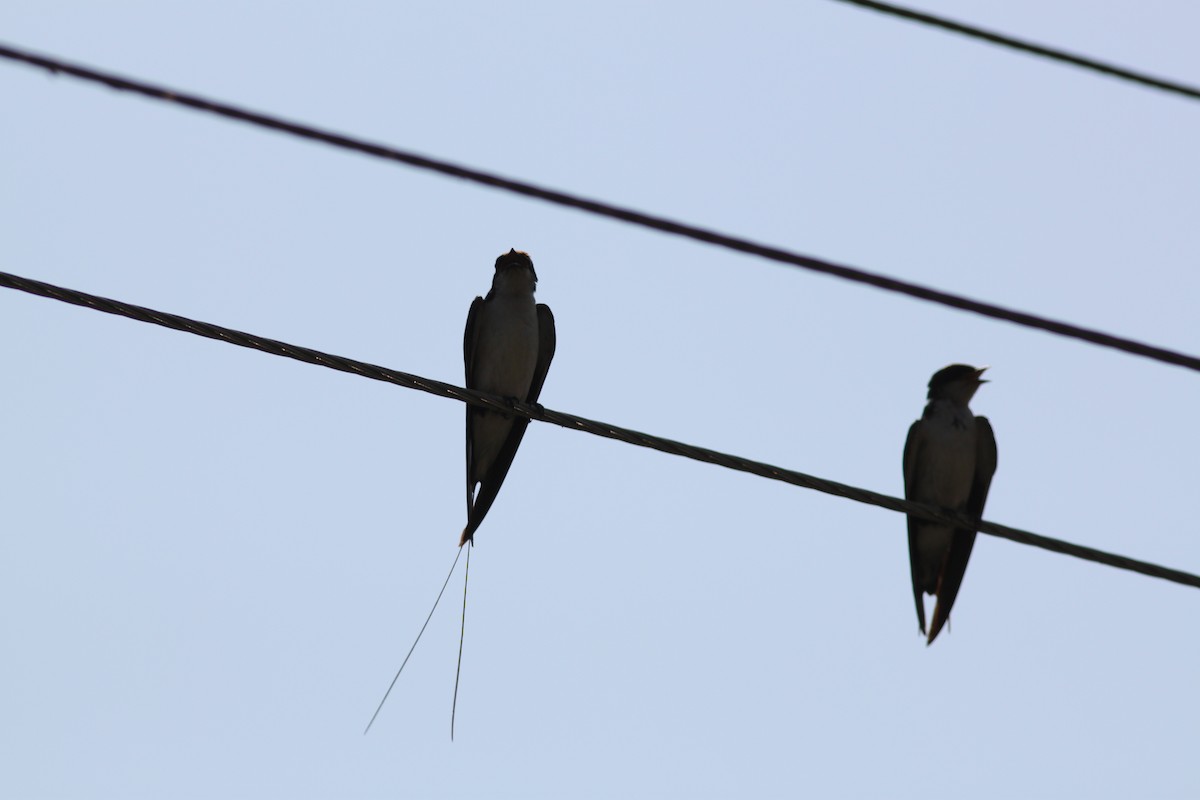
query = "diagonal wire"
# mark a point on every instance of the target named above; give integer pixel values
(1000, 39)
(537, 412)
(658, 223)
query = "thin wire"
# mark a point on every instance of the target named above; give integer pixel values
(658, 223)
(414, 644)
(1092, 64)
(461, 637)
(572, 422)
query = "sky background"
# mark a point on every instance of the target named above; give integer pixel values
(213, 560)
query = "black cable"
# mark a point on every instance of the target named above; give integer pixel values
(614, 212)
(1028, 47)
(537, 412)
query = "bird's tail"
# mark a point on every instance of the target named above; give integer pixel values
(414, 644)
(462, 634)
(939, 619)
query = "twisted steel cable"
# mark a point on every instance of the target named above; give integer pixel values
(537, 412)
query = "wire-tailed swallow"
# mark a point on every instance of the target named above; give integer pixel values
(507, 348)
(949, 460)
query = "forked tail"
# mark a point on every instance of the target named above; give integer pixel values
(461, 635)
(414, 646)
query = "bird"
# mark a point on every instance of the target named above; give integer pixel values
(949, 460)
(507, 348)
(508, 344)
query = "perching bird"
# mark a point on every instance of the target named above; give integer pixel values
(949, 460)
(507, 347)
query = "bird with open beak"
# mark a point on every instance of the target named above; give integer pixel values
(949, 460)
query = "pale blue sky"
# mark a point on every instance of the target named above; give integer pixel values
(213, 560)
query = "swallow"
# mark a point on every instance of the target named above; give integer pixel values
(507, 348)
(949, 461)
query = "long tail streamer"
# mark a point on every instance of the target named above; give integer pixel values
(414, 646)
(461, 635)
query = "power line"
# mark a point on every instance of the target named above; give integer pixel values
(537, 412)
(1092, 64)
(658, 223)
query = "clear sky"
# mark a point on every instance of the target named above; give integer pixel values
(212, 560)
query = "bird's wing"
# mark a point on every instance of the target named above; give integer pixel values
(489, 487)
(469, 364)
(546, 343)
(964, 538)
(986, 458)
(912, 453)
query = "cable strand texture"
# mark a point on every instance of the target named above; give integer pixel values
(537, 412)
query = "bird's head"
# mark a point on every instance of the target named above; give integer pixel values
(957, 382)
(514, 270)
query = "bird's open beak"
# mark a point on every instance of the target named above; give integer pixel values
(978, 373)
